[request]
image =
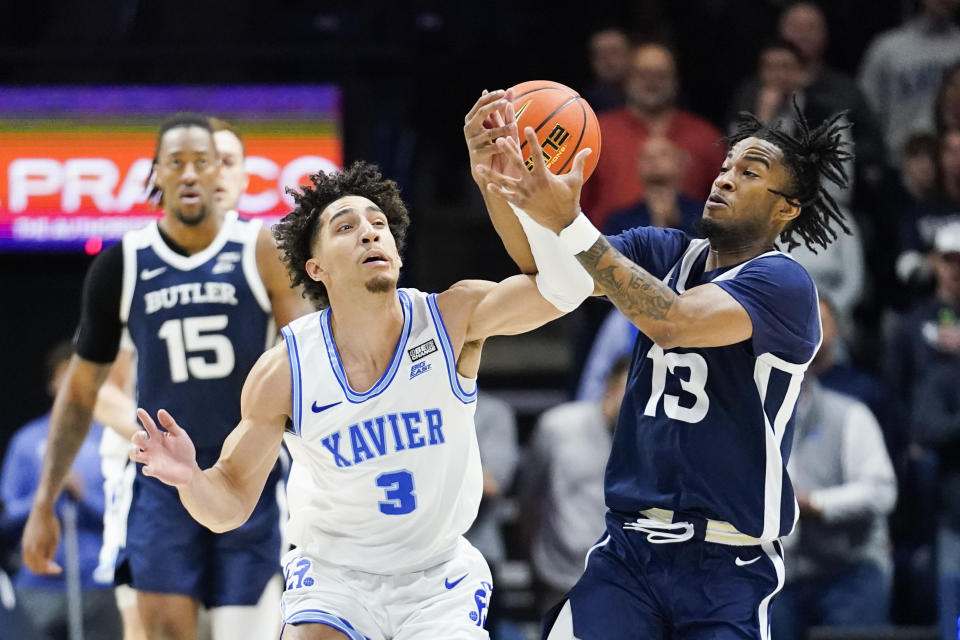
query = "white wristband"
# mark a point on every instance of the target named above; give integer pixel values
(579, 235)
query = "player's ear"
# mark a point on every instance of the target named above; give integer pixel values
(787, 210)
(314, 270)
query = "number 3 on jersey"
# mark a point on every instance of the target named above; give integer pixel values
(400, 498)
(187, 336)
(694, 384)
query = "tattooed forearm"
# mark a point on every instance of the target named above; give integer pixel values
(69, 425)
(635, 292)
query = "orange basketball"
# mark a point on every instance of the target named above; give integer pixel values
(564, 123)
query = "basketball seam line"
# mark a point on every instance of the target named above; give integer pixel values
(547, 119)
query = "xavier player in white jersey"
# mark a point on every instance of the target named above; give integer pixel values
(196, 290)
(375, 394)
(696, 487)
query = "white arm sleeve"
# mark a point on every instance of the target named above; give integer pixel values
(562, 281)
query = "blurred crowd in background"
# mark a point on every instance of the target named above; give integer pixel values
(876, 452)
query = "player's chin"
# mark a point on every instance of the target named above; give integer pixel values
(381, 283)
(192, 215)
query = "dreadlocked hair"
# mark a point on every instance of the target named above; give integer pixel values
(179, 120)
(297, 231)
(809, 156)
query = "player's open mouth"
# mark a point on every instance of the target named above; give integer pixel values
(375, 258)
(189, 197)
(716, 202)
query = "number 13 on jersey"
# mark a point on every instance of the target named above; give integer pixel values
(694, 384)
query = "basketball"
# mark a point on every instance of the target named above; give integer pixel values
(563, 121)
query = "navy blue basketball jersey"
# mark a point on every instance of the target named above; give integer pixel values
(199, 324)
(707, 431)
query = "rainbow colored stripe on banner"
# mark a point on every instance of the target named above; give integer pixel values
(74, 161)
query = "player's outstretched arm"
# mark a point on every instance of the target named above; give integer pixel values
(474, 310)
(492, 117)
(69, 425)
(703, 316)
(222, 497)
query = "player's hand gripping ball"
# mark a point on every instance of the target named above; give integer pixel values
(564, 123)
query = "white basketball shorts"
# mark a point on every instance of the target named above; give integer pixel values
(449, 600)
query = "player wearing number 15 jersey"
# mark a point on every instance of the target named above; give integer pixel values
(696, 484)
(198, 292)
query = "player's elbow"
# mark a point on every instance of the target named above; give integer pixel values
(667, 335)
(227, 523)
(678, 326)
(221, 527)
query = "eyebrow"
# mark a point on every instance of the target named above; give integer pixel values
(349, 209)
(757, 158)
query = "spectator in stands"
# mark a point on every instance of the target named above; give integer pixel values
(828, 89)
(947, 106)
(562, 486)
(920, 167)
(496, 424)
(780, 75)
(45, 598)
(926, 336)
(835, 371)
(609, 50)
(937, 425)
(615, 340)
(840, 570)
(903, 68)
(650, 111)
(660, 166)
(920, 224)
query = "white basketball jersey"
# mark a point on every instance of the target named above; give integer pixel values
(386, 480)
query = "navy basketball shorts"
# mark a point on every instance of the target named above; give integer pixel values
(167, 551)
(691, 590)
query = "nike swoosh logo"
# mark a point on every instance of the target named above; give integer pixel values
(150, 274)
(522, 109)
(451, 585)
(317, 409)
(743, 563)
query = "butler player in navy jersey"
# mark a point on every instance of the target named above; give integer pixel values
(201, 292)
(696, 484)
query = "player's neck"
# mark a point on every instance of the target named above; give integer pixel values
(366, 325)
(192, 238)
(727, 256)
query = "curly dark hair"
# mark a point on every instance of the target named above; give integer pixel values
(809, 156)
(296, 232)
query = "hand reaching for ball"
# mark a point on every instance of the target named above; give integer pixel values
(551, 200)
(490, 118)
